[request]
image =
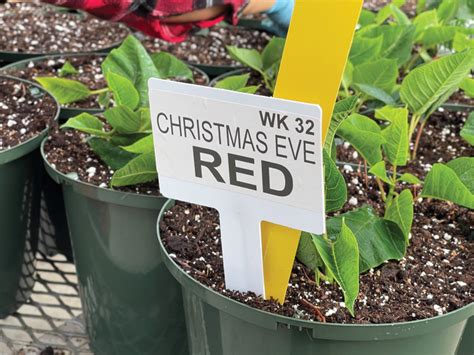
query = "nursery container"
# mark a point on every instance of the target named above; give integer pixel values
(20, 175)
(131, 303)
(218, 325)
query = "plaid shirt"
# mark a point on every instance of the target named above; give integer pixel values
(146, 15)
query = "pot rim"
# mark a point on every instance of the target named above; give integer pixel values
(108, 195)
(329, 331)
(32, 143)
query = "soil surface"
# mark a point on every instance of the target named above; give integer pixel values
(31, 28)
(89, 73)
(440, 143)
(25, 112)
(434, 278)
(208, 47)
(67, 150)
(375, 5)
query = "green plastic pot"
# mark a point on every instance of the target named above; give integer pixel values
(20, 177)
(131, 303)
(218, 325)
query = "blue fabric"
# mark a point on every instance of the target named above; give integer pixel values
(280, 15)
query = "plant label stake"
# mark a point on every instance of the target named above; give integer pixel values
(312, 67)
(252, 158)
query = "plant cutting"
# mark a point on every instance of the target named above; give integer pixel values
(216, 60)
(26, 111)
(104, 168)
(24, 35)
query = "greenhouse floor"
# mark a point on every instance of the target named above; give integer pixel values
(52, 317)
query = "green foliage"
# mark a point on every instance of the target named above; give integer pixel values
(66, 91)
(452, 182)
(137, 171)
(237, 83)
(467, 131)
(266, 63)
(365, 135)
(67, 69)
(127, 70)
(341, 258)
(400, 211)
(335, 185)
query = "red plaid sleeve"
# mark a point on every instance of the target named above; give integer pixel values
(147, 15)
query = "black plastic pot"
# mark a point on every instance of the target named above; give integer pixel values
(131, 303)
(218, 325)
(20, 177)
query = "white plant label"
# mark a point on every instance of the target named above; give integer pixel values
(252, 158)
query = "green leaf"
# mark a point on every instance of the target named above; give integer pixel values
(452, 182)
(110, 154)
(410, 179)
(462, 42)
(468, 86)
(348, 75)
(366, 18)
(67, 69)
(249, 89)
(447, 10)
(381, 74)
(342, 259)
(379, 240)
(438, 35)
(140, 170)
(397, 146)
(467, 132)
(400, 211)
(365, 49)
(66, 91)
(104, 99)
(379, 170)
(308, 254)
(248, 57)
(335, 185)
(272, 54)
(144, 145)
(123, 90)
(171, 67)
(145, 120)
(398, 41)
(399, 15)
(123, 140)
(429, 86)
(376, 93)
(424, 22)
(364, 135)
(88, 124)
(233, 82)
(123, 120)
(342, 110)
(132, 61)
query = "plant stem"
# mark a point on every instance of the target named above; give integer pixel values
(417, 140)
(382, 191)
(99, 91)
(413, 123)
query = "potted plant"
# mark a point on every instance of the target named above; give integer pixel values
(81, 74)
(26, 111)
(105, 166)
(215, 60)
(31, 30)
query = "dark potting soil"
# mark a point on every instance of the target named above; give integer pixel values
(25, 112)
(375, 5)
(440, 143)
(32, 28)
(89, 73)
(68, 152)
(459, 97)
(434, 278)
(208, 47)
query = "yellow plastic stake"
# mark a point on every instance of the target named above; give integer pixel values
(316, 52)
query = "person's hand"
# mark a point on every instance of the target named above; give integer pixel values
(280, 16)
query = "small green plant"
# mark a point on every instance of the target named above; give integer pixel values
(160, 65)
(266, 63)
(358, 240)
(122, 137)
